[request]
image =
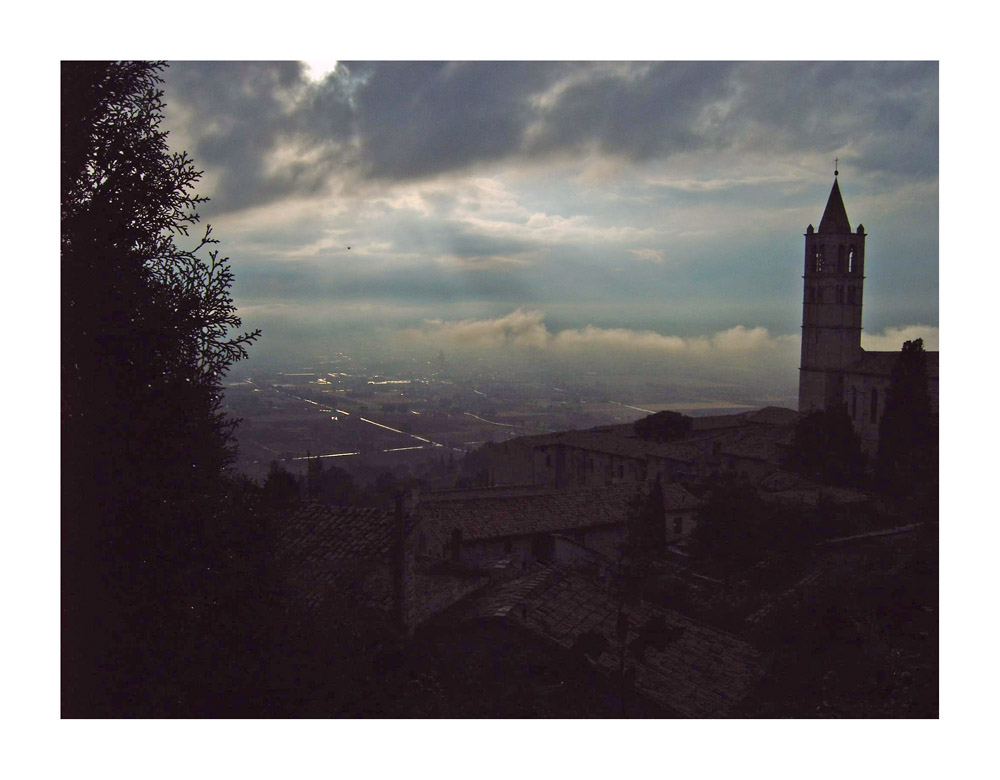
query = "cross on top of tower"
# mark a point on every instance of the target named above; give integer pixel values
(836, 166)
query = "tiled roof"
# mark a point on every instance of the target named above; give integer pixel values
(464, 494)
(786, 480)
(717, 421)
(321, 547)
(761, 444)
(621, 446)
(773, 415)
(812, 496)
(698, 672)
(484, 516)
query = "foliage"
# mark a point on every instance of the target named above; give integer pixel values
(907, 454)
(145, 344)
(331, 485)
(646, 534)
(662, 426)
(826, 447)
(859, 641)
(735, 528)
(280, 486)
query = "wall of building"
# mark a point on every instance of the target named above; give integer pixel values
(524, 550)
(680, 523)
(559, 465)
(865, 395)
(434, 593)
(832, 295)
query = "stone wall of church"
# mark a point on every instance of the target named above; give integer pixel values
(865, 396)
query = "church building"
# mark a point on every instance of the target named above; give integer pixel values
(834, 369)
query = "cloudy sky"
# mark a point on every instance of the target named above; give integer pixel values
(571, 209)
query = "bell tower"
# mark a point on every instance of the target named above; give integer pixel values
(831, 305)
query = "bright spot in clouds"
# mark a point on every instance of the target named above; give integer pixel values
(317, 70)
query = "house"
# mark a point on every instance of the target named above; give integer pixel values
(372, 557)
(481, 526)
(688, 668)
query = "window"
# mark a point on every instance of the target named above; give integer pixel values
(874, 409)
(678, 525)
(841, 253)
(508, 546)
(850, 261)
(820, 257)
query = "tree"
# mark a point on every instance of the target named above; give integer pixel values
(736, 528)
(145, 343)
(662, 426)
(907, 451)
(646, 531)
(825, 446)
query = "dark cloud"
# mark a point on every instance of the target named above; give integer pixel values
(265, 130)
(637, 111)
(885, 113)
(419, 119)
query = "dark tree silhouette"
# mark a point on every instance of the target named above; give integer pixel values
(145, 344)
(280, 487)
(736, 528)
(662, 426)
(907, 452)
(826, 447)
(646, 534)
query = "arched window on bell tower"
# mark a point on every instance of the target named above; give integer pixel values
(850, 260)
(820, 257)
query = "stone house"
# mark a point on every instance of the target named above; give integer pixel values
(689, 669)
(479, 527)
(866, 386)
(368, 556)
(593, 458)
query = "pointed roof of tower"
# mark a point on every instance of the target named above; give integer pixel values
(835, 217)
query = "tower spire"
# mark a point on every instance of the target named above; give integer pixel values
(836, 166)
(835, 216)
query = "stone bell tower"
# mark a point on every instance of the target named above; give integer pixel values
(831, 305)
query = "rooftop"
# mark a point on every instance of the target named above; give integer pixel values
(622, 446)
(694, 670)
(321, 547)
(483, 515)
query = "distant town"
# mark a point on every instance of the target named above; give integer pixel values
(359, 413)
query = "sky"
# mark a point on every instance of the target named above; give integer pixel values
(562, 211)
